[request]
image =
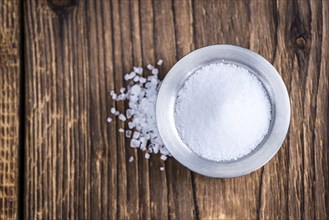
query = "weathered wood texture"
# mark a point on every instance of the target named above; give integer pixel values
(76, 165)
(10, 76)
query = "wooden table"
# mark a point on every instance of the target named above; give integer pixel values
(59, 59)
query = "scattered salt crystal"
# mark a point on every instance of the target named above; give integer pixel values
(228, 118)
(136, 134)
(134, 143)
(121, 97)
(162, 168)
(129, 113)
(155, 71)
(147, 155)
(121, 130)
(109, 120)
(135, 90)
(141, 95)
(160, 62)
(122, 117)
(131, 159)
(163, 157)
(129, 76)
(128, 133)
(143, 141)
(122, 90)
(131, 125)
(113, 110)
(142, 80)
(156, 148)
(112, 92)
(138, 70)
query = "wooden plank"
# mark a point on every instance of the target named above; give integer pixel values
(71, 170)
(10, 91)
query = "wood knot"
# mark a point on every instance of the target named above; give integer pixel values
(301, 42)
(62, 7)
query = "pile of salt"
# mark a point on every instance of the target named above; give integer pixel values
(222, 112)
(141, 95)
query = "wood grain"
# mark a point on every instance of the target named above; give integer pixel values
(10, 90)
(76, 164)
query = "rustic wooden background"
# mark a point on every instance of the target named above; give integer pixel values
(59, 59)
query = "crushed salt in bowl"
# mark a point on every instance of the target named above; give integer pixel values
(223, 111)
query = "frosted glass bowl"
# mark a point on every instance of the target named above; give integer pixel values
(271, 80)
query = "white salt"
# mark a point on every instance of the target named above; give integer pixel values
(155, 71)
(128, 133)
(122, 90)
(162, 168)
(131, 159)
(142, 80)
(122, 117)
(121, 130)
(109, 120)
(160, 62)
(131, 125)
(134, 143)
(113, 110)
(143, 143)
(136, 134)
(222, 112)
(130, 76)
(141, 95)
(163, 157)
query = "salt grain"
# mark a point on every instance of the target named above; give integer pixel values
(134, 143)
(228, 117)
(155, 71)
(113, 110)
(163, 157)
(160, 62)
(131, 125)
(136, 134)
(147, 155)
(131, 159)
(121, 130)
(128, 133)
(122, 117)
(109, 120)
(162, 168)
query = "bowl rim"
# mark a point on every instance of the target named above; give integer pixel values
(246, 58)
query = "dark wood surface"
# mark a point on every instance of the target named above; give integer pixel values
(60, 159)
(10, 105)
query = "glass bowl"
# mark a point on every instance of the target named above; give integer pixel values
(272, 82)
